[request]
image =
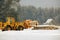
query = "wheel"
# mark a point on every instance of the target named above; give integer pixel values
(20, 27)
(8, 27)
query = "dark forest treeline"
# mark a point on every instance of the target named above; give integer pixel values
(9, 8)
(21, 13)
(40, 14)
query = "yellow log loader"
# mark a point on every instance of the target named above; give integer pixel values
(11, 24)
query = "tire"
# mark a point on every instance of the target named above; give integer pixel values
(20, 27)
(8, 27)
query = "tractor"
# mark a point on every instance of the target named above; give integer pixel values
(11, 24)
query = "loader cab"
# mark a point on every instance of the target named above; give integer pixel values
(10, 20)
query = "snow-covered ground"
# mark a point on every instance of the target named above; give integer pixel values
(30, 35)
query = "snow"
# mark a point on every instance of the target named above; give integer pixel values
(30, 35)
(49, 20)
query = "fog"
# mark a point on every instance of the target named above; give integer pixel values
(41, 3)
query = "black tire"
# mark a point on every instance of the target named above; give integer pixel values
(6, 28)
(20, 27)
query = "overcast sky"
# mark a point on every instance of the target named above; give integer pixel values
(41, 3)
